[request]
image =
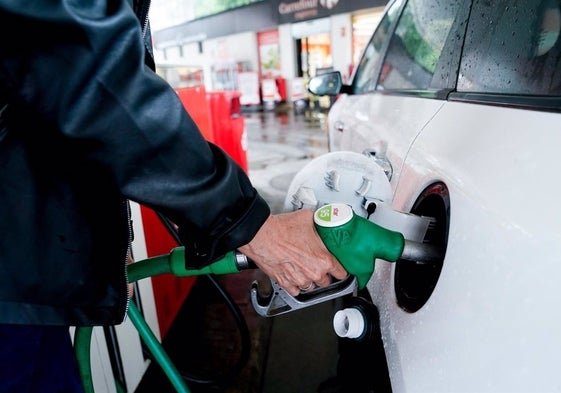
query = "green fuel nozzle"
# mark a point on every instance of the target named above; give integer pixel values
(355, 241)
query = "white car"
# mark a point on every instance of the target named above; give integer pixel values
(459, 103)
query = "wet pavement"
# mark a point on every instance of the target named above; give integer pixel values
(217, 336)
(279, 145)
(301, 347)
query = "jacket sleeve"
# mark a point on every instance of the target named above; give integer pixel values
(79, 66)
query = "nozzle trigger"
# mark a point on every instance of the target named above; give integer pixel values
(280, 302)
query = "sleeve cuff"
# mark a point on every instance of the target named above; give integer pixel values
(200, 252)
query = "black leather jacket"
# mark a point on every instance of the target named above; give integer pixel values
(87, 126)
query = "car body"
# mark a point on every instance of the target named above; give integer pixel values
(459, 102)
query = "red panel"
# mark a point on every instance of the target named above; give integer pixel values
(217, 114)
(281, 87)
(194, 101)
(169, 291)
(229, 124)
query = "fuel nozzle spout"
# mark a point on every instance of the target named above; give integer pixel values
(421, 252)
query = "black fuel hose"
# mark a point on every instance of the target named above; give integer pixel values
(226, 378)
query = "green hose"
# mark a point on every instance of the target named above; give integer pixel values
(82, 344)
(173, 263)
(148, 267)
(157, 350)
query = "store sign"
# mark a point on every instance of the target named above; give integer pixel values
(291, 11)
(298, 10)
(269, 53)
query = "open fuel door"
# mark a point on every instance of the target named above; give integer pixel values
(361, 182)
(357, 180)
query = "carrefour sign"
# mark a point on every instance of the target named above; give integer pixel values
(291, 11)
(294, 11)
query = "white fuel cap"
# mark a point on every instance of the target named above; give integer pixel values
(338, 177)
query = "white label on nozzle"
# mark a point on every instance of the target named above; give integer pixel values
(333, 215)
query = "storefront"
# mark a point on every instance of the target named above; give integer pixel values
(267, 50)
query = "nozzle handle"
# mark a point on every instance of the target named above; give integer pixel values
(355, 241)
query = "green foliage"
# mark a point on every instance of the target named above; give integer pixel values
(416, 45)
(204, 8)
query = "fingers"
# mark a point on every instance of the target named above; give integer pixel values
(288, 249)
(294, 281)
(308, 287)
(338, 271)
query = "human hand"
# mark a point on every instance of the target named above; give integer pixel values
(288, 249)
